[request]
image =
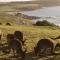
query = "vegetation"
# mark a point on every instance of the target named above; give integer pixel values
(44, 23)
(14, 20)
(32, 34)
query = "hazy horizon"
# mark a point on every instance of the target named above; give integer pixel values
(14, 0)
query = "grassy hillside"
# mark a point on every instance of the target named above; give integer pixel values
(32, 34)
(14, 20)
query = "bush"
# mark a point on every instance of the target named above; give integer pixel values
(0, 23)
(8, 24)
(44, 23)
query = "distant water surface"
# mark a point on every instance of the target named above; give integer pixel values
(53, 12)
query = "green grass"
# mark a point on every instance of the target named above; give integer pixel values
(13, 20)
(31, 34)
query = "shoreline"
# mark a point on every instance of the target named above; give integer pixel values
(27, 6)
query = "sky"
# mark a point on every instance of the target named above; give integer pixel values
(13, 0)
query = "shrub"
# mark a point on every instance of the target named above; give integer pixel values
(44, 23)
(0, 23)
(8, 24)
